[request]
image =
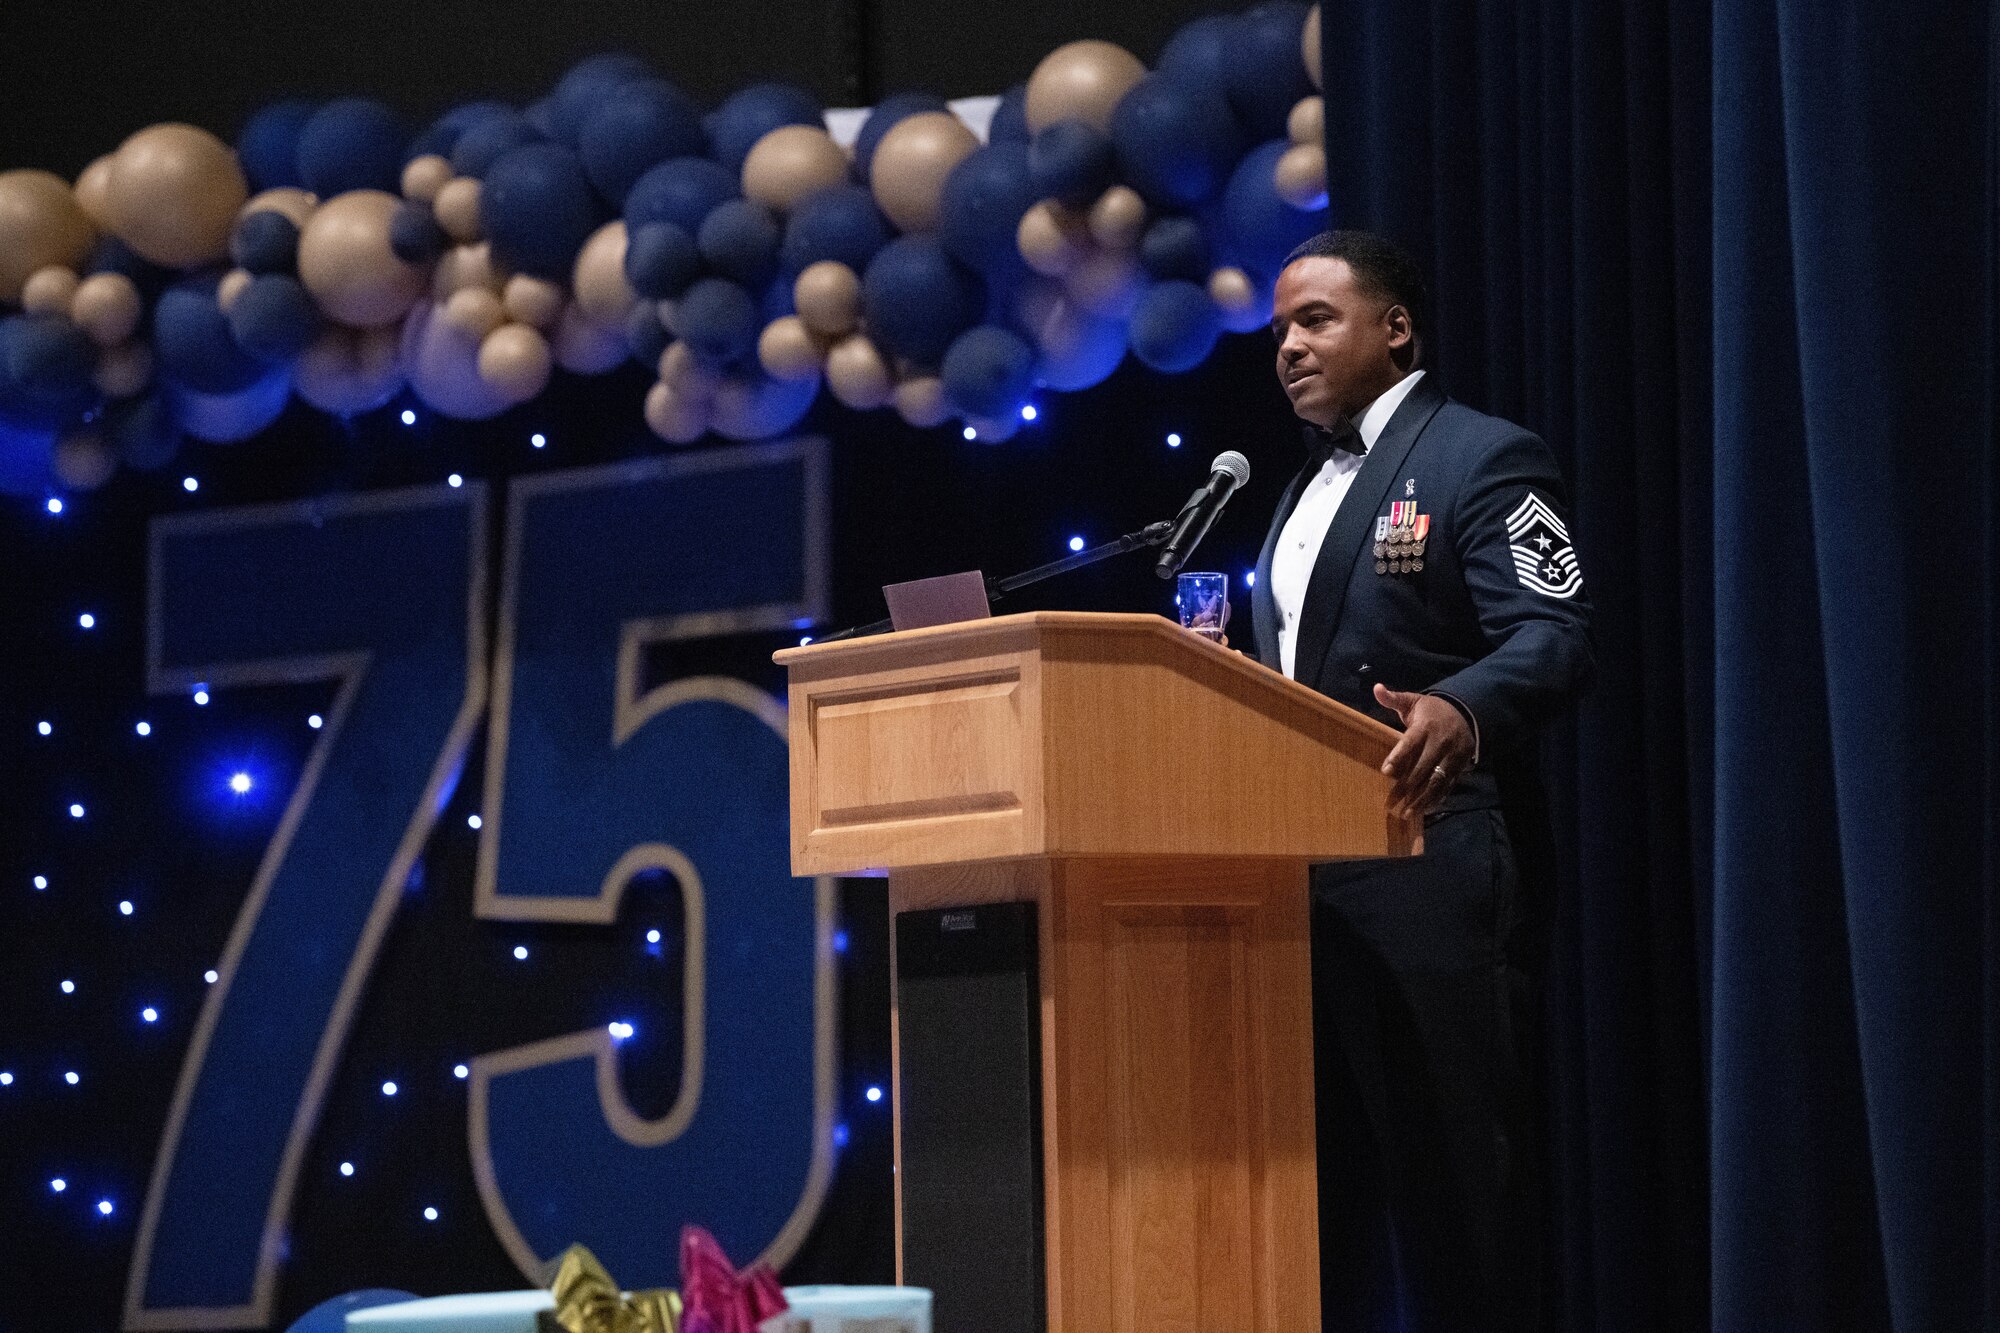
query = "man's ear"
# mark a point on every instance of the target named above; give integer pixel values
(1401, 333)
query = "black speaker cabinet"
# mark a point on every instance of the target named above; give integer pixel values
(969, 1027)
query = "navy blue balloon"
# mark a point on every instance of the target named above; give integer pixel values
(661, 260)
(1175, 246)
(331, 1316)
(1176, 142)
(27, 459)
(194, 343)
(490, 139)
(777, 300)
(1198, 54)
(51, 361)
(537, 208)
(265, 241)
(645, 336)
(895, 107)
(1072, 162)
(1175, 326)
(840, 222)
(274, 318)
(739, 240)
(414, 233)
(916, 298)
(988, 372)
(142, 432)
(736, 126)
(444, 132)
(354, 143)
(980, 209)
(589, 83)
(1010, 118)
(542, 115)
(1266, 71)
(268, 147)
(718, 321)
(681, 192)
(1261, 228)
(48, 367)
(636, 126)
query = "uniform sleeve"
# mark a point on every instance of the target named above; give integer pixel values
(1522, 572)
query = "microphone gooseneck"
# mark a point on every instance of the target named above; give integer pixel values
(1229, 471)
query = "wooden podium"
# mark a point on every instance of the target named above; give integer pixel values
(1158, 798)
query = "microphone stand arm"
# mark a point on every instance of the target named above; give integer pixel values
(1153, 534)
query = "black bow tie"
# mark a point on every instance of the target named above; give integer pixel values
(1322, 444)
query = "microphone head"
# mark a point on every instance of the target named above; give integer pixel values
(1235, 464)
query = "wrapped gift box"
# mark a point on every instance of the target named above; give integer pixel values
(853, 1310)
(482, 1312)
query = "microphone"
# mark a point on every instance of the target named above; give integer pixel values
(1226, 473)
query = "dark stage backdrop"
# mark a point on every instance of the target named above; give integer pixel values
(1739, 266)
(1738, 263)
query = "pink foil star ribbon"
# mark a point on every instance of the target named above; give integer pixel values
(718, 1299)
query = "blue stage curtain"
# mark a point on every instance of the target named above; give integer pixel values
(1738, 264)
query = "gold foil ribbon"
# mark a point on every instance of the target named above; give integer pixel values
(588, 1301)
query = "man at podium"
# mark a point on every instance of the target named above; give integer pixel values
(1419, 568)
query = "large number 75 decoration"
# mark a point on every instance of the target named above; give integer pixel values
(591, 780)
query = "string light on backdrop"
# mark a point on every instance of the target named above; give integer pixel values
(940, 260)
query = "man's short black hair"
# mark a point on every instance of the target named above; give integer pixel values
(1383, 268)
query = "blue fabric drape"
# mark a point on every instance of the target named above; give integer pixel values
(1738, 264)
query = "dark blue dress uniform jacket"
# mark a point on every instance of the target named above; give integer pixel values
(1497, 619)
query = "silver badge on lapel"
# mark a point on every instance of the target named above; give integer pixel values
(1544, 560)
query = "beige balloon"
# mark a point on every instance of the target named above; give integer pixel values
(827, 296)
(1118, 218)
(675, 419)
(93, 191)
(536, 302)
(1245, 306)
(1106, 284)
(1231, 289)
(920, 402)
(294, 203)
(584, 347)
(1307, 123)
(346, 263)
(41, 224)
(49, 291)
(857, 374)
(473, 311)
(1051, 239)
(84, 461)
(107, 307)
(346, 372)
(516, 360)
(1080, 81)
(424, 176)
(1309, 47)
(174, 193)
(687, 376)
(231, 287)
(790, 163)
(602, 293)
(910, 164)
(466, 266)
(1300, 176)
(457, 208)
(787, 351)
(124, 370)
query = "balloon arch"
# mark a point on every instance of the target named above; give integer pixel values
(184, 288)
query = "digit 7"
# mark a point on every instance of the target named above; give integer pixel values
(384, 593)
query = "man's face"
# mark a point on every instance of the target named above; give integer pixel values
(1338, 345)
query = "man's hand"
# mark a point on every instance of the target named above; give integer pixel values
(1436, 748)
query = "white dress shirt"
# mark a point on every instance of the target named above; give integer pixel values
(1305, 531)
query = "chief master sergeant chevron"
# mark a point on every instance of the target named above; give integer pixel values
(1419, 568)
